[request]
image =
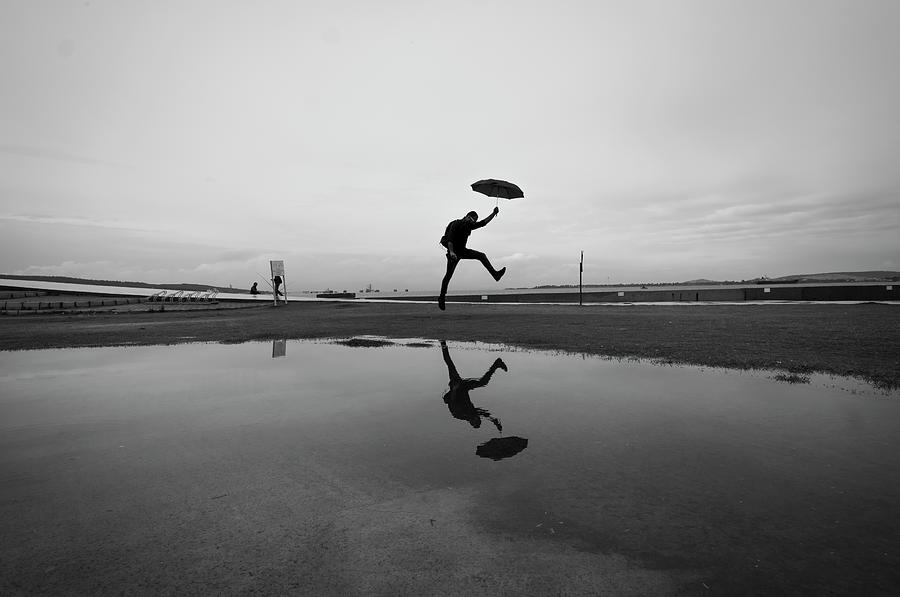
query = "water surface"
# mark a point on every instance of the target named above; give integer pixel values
(321, 468)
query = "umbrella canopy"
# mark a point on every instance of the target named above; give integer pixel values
(497, 188)
(501, 447)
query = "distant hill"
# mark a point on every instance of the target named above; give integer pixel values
(70, 280)
(869, 276)
(703, 281)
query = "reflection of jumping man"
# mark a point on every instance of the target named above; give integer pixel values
(455, 238)
(457, 398)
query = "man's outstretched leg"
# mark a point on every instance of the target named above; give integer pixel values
(451, 267)
(496, 274)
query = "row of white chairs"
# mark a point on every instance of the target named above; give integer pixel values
(183, 296)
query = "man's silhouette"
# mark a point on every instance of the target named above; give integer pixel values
(457, 398)
(455, 238)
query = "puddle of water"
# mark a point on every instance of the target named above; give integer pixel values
(325, 468)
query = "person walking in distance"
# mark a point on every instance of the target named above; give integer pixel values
(455, 238)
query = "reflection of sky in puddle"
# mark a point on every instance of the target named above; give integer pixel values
(331, 469)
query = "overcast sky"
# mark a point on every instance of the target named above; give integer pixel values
(193, 141)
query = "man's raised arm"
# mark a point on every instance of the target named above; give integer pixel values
(487, 219)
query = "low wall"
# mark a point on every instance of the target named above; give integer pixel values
(56, 303)
(879, 292)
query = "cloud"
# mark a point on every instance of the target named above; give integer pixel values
(518, 257)
(66, 268)
(76, 221)
(45, 153)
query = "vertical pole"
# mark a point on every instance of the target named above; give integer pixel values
(276, 268)
(580, 273)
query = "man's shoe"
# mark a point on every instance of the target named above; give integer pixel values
(441, 304)
(499, 274)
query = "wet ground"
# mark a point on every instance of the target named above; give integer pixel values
(422, 469)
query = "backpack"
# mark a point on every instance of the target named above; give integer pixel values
(446, 238)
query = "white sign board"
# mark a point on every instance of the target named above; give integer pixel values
(279, 284)
(277, 268)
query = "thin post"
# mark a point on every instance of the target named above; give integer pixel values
(580, 275)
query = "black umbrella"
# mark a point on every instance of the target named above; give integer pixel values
(501, 447)
(497, 188)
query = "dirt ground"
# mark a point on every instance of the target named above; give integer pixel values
(861, 340)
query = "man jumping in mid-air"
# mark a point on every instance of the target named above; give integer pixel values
(455, 238)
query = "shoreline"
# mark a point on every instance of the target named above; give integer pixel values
(849, 292)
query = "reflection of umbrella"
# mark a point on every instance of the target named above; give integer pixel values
(502, 447)
(497, 188)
